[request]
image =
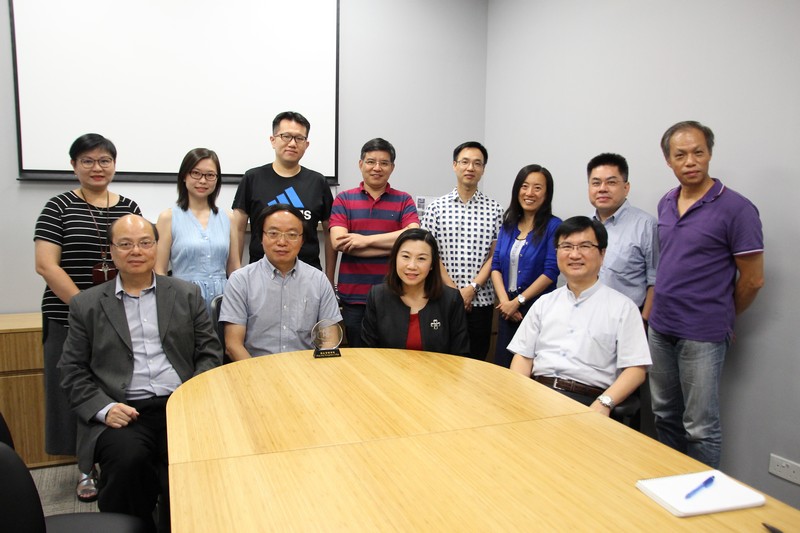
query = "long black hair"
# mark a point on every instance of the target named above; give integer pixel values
(514, 212)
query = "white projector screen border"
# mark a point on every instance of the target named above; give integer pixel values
(160, 77)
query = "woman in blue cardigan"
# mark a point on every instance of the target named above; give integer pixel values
(524, 263)
(413, 309)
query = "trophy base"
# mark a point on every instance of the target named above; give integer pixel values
(331, 352)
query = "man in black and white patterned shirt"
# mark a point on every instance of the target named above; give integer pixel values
(465, 223)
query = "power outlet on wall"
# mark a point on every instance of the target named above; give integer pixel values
(784, 468)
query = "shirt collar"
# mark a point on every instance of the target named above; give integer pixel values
(454, 197)
(712, 194)
(272, 271)
(617, 214)
(363, 190)
(119, 290)
(586, 294)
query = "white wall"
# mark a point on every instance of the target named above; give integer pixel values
(565, 80)
(569, 79)
(412, 73)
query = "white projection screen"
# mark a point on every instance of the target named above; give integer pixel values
(160, 77)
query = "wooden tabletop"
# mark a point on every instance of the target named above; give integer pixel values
(411, 441)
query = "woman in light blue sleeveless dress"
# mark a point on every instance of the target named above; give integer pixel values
(195, 235)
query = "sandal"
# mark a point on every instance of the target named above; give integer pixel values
(86, 489)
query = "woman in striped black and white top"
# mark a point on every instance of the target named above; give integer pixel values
(72, 254)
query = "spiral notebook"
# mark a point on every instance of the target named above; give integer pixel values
(724, 494)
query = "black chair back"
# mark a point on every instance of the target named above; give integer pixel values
(20, 507)
(216, 306)
(5, 433)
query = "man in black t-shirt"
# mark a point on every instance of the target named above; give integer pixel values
(285, 181)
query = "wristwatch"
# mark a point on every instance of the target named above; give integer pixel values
(606, 401)
(521, 299)
(475, 286)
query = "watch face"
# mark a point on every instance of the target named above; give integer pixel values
(606, 401)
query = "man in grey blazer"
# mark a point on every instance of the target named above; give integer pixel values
(132, 341)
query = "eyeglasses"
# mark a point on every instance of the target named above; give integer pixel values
(88, 162)
(275, 235)
(127, 246)
(584, 247)
(372, 162)
(464, 163)
(287, 138)
(197, 175)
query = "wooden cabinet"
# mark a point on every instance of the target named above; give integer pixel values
(22, 386)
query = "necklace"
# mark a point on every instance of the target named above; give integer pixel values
(104, 247)
(523, 233)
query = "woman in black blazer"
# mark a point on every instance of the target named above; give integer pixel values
(413, 309)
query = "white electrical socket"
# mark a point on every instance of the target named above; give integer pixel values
(784, 468)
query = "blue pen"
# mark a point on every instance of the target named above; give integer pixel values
(704, 485)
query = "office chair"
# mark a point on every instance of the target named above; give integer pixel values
(629, 411)
(216, 306)
(21, 508)
(5, 433)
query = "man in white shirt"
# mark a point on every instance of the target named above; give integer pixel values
(584, 339)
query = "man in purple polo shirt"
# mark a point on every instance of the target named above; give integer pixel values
(708, 234)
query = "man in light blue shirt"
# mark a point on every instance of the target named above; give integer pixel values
(632, 255)
(271, 306)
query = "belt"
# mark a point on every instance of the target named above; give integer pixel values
(569, 385)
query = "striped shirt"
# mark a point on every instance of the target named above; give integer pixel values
(358, 212)
(66, 221)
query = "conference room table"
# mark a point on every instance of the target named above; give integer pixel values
(400, 440)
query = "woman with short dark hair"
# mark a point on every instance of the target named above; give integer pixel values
(72, 254)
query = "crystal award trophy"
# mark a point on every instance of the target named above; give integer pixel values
(326, 335)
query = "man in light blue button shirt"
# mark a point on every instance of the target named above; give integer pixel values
(271, 306)
(632, 255)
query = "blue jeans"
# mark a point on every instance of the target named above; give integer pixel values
(684, 389)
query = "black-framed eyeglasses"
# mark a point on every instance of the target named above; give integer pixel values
(583, 247)
(288, 137)
(88, 162)
(197, 175)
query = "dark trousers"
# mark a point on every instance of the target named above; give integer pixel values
(353, 315)
(505, 332)
(60, 423)
(133, 464)
(479, 325)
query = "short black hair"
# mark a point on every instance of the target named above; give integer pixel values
(578, 224)
(471, 144)
(686, 125)
(187, 165)
(275, 208)
(292, 116)
(612, 160)
(90, 141)
(433, 281)
(378, 145)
